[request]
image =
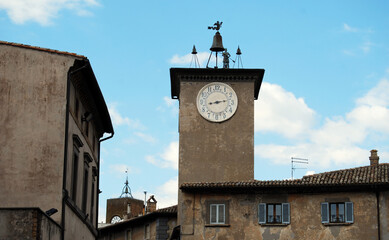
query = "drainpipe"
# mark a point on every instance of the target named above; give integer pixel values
(98, 178)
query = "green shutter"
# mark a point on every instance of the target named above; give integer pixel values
(349, 212)
(324, 212)
(285, 213)
(262, 213)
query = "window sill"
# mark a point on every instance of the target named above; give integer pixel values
(274, 224)
(217, 225)
(336, 224)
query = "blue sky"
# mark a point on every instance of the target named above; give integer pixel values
(325, 95)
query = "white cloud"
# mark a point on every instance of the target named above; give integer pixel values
(43, 11)
(188, 59)
(167, 159)
(337, 141)
(348, 52)
(169, 102)
(309, 173)
(119, 120)
(366, 46)
(167, 194)
(347, 28)
(273, 112)
(146, 137)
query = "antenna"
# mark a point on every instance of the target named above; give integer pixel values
(298, 161)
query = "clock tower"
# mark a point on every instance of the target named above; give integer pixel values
(216, 122)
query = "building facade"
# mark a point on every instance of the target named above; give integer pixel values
(344, 204)
(53, 118)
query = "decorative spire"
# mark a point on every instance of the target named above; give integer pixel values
(238, 58)
(195, 59)
(126, 192)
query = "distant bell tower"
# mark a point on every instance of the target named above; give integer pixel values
(125, 207)
(216, 119)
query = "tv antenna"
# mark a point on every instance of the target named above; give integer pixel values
(297, 161)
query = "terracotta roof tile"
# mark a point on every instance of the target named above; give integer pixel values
(171, 209)
(41, 49)
(368, 175)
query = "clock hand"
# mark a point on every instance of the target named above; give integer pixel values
(217, 102)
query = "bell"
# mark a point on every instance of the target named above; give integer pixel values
(217, 45)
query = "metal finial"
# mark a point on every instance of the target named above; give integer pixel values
(194, 51)
(238, 58)
(238, 52)
(195, 59)
(126, 192)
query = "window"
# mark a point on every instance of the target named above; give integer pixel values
(274, 213)
(74, 173)
(85, 187)
(77, 144)
(92, 206)
(128, 235)
(87, 160)
(77, 107)
(337, 212)
(217, 214)
(147, 231)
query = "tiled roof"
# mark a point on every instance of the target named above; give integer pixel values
(172, 209)
(168, 211)
(40, 49)
(368, 175)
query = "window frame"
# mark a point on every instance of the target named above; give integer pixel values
(217, 214)
(218, 203)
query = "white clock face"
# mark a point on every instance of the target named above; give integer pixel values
(217, 102)
(116, 219)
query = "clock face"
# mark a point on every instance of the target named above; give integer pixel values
(217, 102)
(116, 219)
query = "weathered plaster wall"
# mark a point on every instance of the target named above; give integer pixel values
(28, 224)
(33, 110)
(384, 214)
(230, 144)
(75, 227)
(305, 217)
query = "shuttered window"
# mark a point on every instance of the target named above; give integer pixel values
(274, 213)
(337, 212)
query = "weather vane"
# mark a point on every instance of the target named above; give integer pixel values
(217, 26)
